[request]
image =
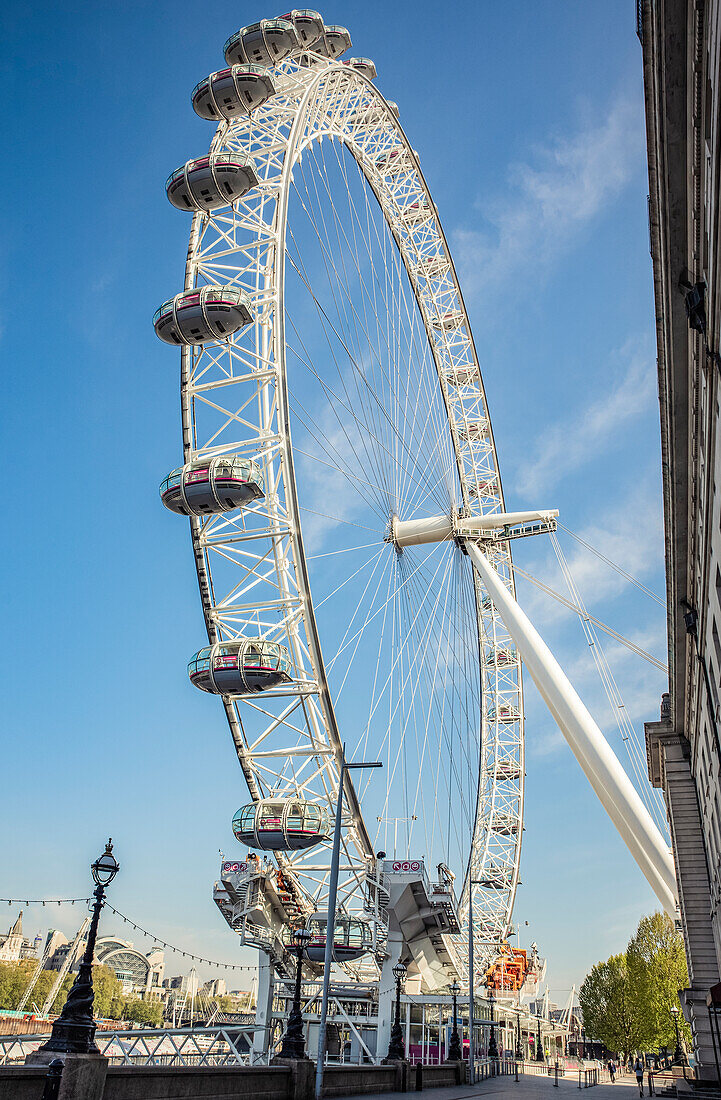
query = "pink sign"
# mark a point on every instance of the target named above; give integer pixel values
(405, 865)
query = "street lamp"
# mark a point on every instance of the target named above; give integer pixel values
(454, 1050)
(396, 1047)
(492, 1045)
(330, 923)
(519, 1044)
(539, 1044)
(293, 1040)
(679, 1058)
(74, 1030)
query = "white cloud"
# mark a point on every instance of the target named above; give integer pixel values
(630, 534)
(547, 203)
(571, 443)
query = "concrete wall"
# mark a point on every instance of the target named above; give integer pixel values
(22, 1082)
(206, 1082)
(219, 1082)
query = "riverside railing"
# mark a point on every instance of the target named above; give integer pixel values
(224, 1045)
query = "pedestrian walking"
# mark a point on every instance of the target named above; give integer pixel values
(612, 1071)
(638, 1070)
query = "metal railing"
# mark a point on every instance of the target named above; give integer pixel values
(496, 1067)
(589, 1077)
(224, 1045)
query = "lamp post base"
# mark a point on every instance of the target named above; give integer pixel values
(396, 1047)
(83, 1075)
(293, 1048)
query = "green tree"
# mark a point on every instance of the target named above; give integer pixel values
(149, 1013)
(610, 1012)
(108, 994)
(14, 980)
(657, 971)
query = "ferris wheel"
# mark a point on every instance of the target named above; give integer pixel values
(332, 403)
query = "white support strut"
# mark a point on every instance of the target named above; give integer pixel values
(596, 757)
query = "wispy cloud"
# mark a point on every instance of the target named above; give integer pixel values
(548, 202)
(629, 533)
(566, 446)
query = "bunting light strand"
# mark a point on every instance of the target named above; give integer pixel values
(179, 950)
(43, 901)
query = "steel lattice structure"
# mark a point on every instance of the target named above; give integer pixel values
(325, 123)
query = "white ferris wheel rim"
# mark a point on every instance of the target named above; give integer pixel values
(313, 82)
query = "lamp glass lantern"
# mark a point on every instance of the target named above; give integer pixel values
(105, 867)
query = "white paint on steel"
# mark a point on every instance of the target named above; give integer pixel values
(416, 532)
(598, 760)
(234, 399)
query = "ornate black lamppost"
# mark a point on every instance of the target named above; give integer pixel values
(679, 1058)
(74, 1029)
(396, 1047)
(492, 1045)
(294, 1041)
(539, 1045)
(519, 1043)
(454, 1050)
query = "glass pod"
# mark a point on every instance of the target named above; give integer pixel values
(201, 315)
(241, 667)
(265, 43)
(281, 825)
(211, 182)
(210, 485)
(232, 92)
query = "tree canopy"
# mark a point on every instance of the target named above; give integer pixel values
(627, 1000)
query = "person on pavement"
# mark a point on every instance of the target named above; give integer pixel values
(638, 1070)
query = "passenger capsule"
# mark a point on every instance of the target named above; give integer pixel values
(266, 43)
(240, 667)
(374, 114)
(487, 487)
(465, 374)
(352, 938)
(209, 182)
(504, 656)
(335, 41)
(475, 431)
(207, 486)
(201, 315)
(507, 771)
(281, 825)
(394, 161)
(448, 321)
(504, 714)
(504, 825)
(433, 266)
(232, 92)
(416, 212)
(362, 65)
(495, 878)
(308, 26)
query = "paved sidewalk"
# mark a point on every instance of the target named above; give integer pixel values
(528, 1088)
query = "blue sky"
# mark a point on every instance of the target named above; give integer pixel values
(529, 123)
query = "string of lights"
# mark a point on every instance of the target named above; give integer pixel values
(179, 950)
(138, 928)
(43, 901)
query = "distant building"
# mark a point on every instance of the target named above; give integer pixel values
(216, 987)
(184, 984)
(56, 948)
(11, 944)
(14, 946)
(140, 974)
(682, 81)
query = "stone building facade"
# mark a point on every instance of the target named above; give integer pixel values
(682, 80)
